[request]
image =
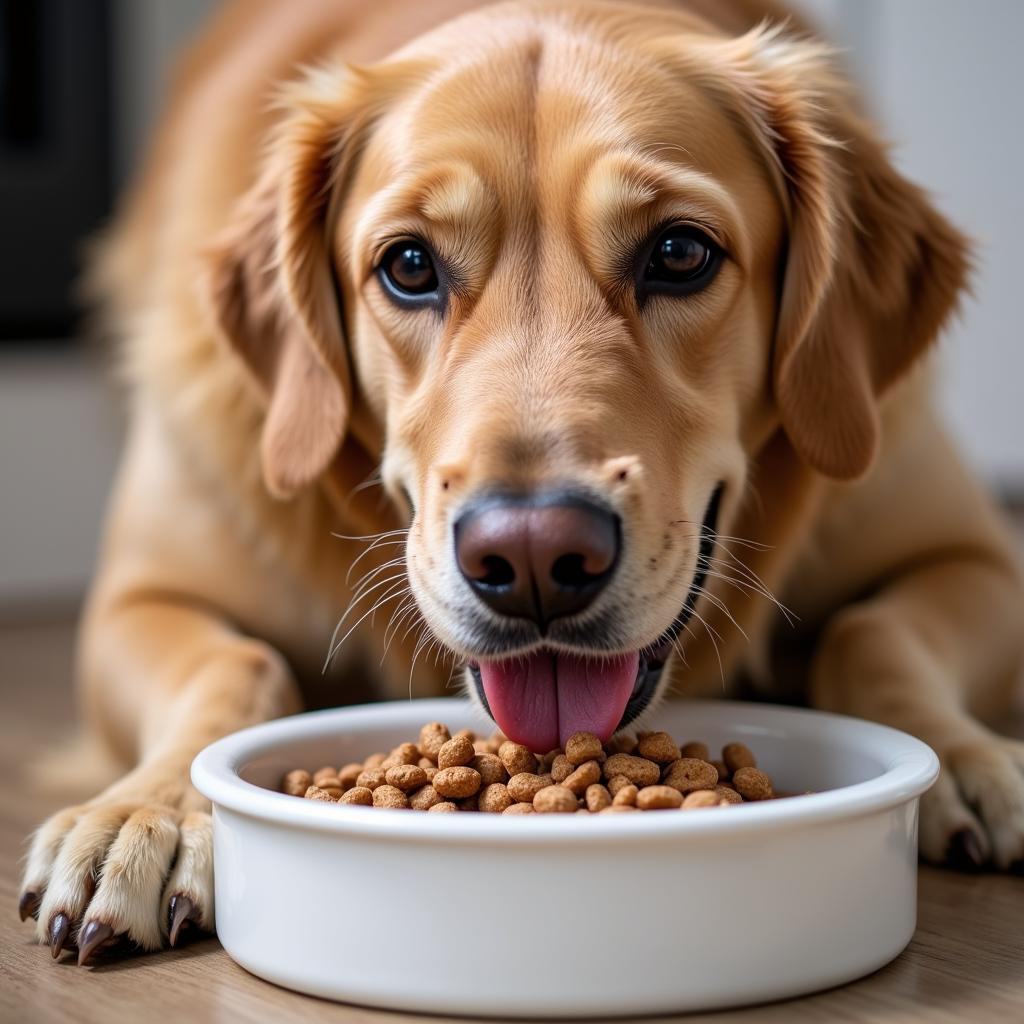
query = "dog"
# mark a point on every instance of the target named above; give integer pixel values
(579, 350)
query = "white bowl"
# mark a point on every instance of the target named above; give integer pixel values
(569, 916)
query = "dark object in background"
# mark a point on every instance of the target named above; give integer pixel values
(55, 142)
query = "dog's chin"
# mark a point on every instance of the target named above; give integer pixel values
(540, 695)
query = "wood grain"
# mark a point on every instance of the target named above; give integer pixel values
(965, 963)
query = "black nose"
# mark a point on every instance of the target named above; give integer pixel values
(538, 556)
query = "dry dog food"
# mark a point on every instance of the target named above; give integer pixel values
(442, 773)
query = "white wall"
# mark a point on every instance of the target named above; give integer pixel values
(59, 430)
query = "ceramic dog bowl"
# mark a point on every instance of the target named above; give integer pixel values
(569, 916)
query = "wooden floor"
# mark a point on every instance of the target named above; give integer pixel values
(965, 964)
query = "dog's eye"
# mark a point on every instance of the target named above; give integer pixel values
(407, 270)
(682, 261)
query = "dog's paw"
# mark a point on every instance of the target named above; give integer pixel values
(973, 816)
(119, 870)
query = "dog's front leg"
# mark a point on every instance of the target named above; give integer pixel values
(934, 648)
(162, 679)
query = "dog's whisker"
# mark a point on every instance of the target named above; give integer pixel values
(741, 584)
(390, 595)
(377, 606)
(398, 616)
(755, 582)
(362, 554)
(426, 634)
(367, 537)
(374, 479)
(409, 612)
(369, 576)
(749, 578)
(720, 605)
(703, 530)
(354, 602)
(714, 636)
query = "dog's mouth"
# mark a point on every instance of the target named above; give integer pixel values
(541, 697)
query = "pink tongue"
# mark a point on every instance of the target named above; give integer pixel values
(542, 699)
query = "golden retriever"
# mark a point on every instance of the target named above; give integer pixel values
(622, 307)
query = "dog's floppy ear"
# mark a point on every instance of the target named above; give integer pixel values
(272, 290)
(872, 271)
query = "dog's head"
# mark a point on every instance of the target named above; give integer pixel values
(568, 271)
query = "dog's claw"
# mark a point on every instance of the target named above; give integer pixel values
(965, 851)
(28, 905)
(60, 925)
(93, 935)
(180, 911)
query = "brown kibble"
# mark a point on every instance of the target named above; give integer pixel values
(296, 783)
(519, 809)
(349, 773)
(658, 747)
(494, 775)
(561, 768)
(389, 796)
(752, 784)
(406, 777)
(702, 798)
(359, 795)
(726, 794)
(457, 781)
(409, 753)
(737, 756)
(494, 799)
(524, 786)
(372, 778)
(581, 747)
(490, 768)
(586, 775)
(639, 770)
(555, 800)
(433, 736)
(444, 807)
(616, 782)
(626, 796)
(516, 758)
(695, 749)
(548, 759)
(657, 798)
(621, 745)
(690, 773)
(425, 798)
(456, 753)
(316, 793)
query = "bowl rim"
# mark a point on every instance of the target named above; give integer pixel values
(911, 768)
